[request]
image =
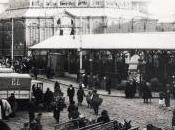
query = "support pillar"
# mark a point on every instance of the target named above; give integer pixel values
(91, 69)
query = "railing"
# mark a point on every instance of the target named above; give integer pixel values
(107, 126)
(112, 125)
(70, 125)
(89, 126)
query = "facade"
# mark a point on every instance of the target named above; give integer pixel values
(37, 20)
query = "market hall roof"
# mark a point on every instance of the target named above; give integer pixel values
(150, 41)
(108, 12)
(77, 12)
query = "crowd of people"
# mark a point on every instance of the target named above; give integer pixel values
(95, 81)
(55, 101)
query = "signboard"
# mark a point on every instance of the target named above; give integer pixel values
(83, 3)
(15, 83)
(67, 3)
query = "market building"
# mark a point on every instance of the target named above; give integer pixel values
(37, 20)
(105, 55)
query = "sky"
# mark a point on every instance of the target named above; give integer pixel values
(163, 9)
(4, 1)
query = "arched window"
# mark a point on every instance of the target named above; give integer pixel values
(7, 35)
(34, 33)
(19, 35)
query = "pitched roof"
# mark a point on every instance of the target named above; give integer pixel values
(159, 40)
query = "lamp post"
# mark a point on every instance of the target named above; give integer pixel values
(141, 67)
(12, 46)
(81, 52)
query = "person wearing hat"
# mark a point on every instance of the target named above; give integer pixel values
(71, 93)
(80, 95)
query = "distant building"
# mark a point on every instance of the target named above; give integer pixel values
(37, 20)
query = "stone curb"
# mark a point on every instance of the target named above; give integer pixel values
(76, 87)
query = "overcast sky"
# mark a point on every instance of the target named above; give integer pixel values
(4, 1)
(162, 8)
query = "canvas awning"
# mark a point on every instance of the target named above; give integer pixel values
(125, 41)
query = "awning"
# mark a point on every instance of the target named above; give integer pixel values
(125, 41)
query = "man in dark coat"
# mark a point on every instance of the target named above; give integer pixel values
(167, 96)
(48, 98)
(13, 103)
(70, 93)
(31, 111)
(96, 101)
(72, 107)
(38, 96)
(59, 106)
(80, 95)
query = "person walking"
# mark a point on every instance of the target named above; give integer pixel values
(96, 101)
(57, 86)
(48, 99)
(59, 106)
(146, 92)
(31, 111)
(71, 108)
(38, 96)
(88, 99)
(108, 85)
(13, 103)
(70, 93)
(80, 95)
(167, 96)
(127, 90)
(134, 87)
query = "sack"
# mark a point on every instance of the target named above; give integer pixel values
(162, 102)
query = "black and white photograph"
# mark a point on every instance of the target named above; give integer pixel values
(87, 64)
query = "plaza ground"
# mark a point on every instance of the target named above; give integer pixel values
(119, 108)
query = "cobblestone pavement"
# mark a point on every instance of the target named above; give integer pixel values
(119, 108)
